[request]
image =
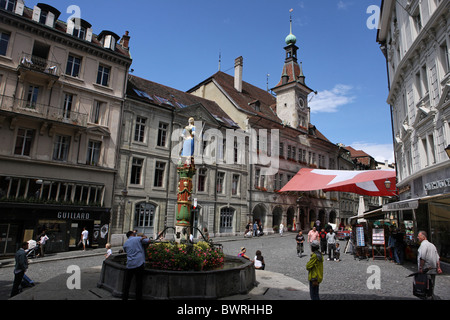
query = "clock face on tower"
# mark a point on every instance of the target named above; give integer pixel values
(301, 103)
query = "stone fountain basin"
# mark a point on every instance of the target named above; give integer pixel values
(237, 277)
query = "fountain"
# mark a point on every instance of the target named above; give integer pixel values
(237, 276)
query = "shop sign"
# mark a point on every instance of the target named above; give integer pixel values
(437, 184)
(73, 215)
(401, 205)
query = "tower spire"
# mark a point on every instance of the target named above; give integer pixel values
(290, 39)
(290, 20)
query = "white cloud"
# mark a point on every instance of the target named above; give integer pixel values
(380, 152)
(330, 100)
(343, 5)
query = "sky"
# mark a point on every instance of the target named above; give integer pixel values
(177, 43)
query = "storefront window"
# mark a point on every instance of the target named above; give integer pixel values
(440, 229)
(56, 231)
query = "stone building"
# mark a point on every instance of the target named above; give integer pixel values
(414, 38)
(146, 188)
(284, 140)
(61, 95)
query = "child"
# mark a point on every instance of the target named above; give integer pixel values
(108, 250)
(337, 253)
(259, 261)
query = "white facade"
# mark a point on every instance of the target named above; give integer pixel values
(414, 36)
(61, 95)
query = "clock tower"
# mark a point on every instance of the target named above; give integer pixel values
(292, 92)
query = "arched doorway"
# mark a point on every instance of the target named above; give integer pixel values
(322, 217)
(332, 218)
(312, 218)
(259, 214)
(302, 220)
(290, 218)
(277, 216)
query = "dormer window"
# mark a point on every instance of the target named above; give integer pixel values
(80, 28)
(108, 39)
(43, 17)
(8, 5)
(45, 14)
(79, 32)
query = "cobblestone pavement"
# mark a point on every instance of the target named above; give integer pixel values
(344, 280)
(42, 271)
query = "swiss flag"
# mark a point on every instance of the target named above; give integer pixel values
(369, 182)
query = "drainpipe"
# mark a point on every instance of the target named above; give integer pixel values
(168, 173)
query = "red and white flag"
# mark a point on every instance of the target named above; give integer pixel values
(369, 182)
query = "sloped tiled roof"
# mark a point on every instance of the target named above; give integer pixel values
(62, 27)
(360, 156)
(249, 95)
(149, 91)
(267, 116)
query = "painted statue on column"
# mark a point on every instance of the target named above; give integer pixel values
(186, 170)
(187, 153)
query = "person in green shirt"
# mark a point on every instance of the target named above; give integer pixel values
(315, 270)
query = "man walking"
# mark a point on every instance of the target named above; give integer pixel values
(428, 260)
(84, 238)
(134, 248)
(313, 235)
(20, 268)
(331, 242)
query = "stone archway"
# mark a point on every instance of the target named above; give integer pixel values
(332, 218)
(312, 218)
(322, 217)
(277, 216)
(259, 214)
(302, 220)
(290, 219)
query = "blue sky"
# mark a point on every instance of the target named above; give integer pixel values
(177, 43)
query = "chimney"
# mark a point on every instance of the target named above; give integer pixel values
(125, 41)
(238, 66)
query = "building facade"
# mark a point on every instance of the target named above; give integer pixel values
(284, 141)
(414, 37)
(61, 95)
(146, 187)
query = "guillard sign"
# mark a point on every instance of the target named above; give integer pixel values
(73, 215)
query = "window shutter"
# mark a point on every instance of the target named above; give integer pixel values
(20, 7)
(89, 35)
(50, 20)
(36, 13)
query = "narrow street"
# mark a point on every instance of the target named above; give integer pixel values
(344, 280)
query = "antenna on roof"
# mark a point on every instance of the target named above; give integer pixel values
(267, 82)
(220, 59)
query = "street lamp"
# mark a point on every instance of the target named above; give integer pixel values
(387, 184)
(448, 150)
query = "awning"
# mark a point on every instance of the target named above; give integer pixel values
(369, 214)
(369, 182)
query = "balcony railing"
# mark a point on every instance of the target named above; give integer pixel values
(40, 64)
(42, 111)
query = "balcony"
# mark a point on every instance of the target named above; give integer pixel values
(38, 68)
(42, 111)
